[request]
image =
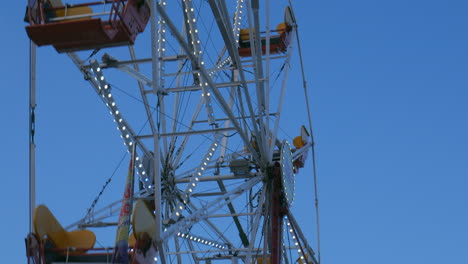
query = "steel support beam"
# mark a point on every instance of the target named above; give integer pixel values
(217, 178)
(197, 87)
(186, 133)
(301, 237)
(157, 168)
(210, 208)
(208, 79)
(220, 12)
(142, 91)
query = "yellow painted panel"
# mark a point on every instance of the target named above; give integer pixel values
(74, 11)
(298, 143)
(46, 226)
(281, 27)
(81, 239)
(260, 261)
(244, 34)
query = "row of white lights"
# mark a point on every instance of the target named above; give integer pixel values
(122, 126)
(161, 46)
(220, 65)
(202, 240)
(237, 19)
(289, 196)
(296, 243)
(195, 178)
(197, 52)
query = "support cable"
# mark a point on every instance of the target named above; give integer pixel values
(312, 138)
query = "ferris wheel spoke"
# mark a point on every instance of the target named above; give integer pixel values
(213, 227)
(94, 75)
(254, 23)
(256, 224)
(235, 218)
(194, 179)
(220, 12)
(304, 247)
(208, 80)
(193, 253)
(181, 149)
(162, 110)
(227, 124)
(142, 91)
(211, 207)
(281, 99)
(226, 31)
(175, 114)
(177, 247)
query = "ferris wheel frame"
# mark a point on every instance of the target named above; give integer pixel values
(261, 151)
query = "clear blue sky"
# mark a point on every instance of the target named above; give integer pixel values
(389, 87)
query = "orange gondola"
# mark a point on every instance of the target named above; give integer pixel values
(278, 42)
(279, 38)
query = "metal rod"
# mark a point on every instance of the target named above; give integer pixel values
(138, 76)
(142, 91)
(193, 132)
(194, 255)
(281, 99)
(301, 236)
(235, 218)
(231, 215)
(216, 178)
(253, 232)
(314, 167)
(157, 172)
(256, 51)
(216, 250)
(32, 144)
(221, 11)
(210, 208)
(269, 140)
(214, 227)
(78, 16)
(115, 64)
(181, 149)
(207, 194)
(227, 122)
(240, 117)
(197, 87)
(175, 112)
(177, 246)
(240, 66)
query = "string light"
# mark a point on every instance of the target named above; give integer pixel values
(202, 240)
(237, 19)
(126, 135)
(193, 31)
(161, 48)
(286, 160)
(195, 176)
(296, 243)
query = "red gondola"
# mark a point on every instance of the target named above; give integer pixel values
(79, 27)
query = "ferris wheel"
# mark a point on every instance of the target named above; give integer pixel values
(196, 89)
